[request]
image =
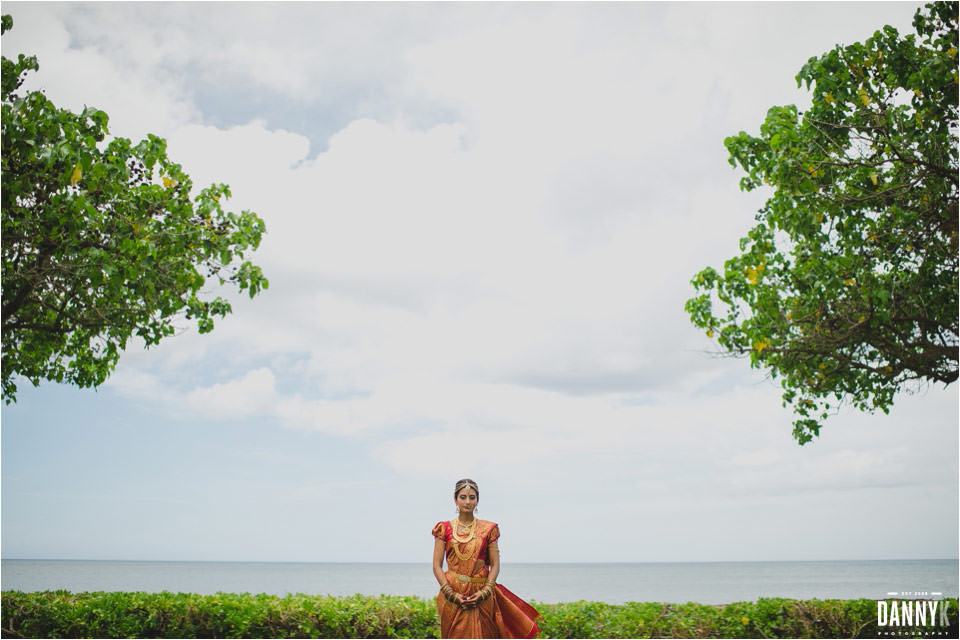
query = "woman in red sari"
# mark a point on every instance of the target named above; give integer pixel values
(471, 604)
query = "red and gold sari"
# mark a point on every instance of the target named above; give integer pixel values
(503, 615)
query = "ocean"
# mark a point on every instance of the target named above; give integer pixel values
(704, 582)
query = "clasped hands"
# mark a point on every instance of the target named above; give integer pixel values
(468, 601)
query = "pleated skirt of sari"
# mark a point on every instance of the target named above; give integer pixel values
(502, 616)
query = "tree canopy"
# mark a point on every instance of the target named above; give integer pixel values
(102, 240)
(846, 288)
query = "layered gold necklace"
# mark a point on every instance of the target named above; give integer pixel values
(468, 534)
(468, 530)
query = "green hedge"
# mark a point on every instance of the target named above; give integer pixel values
(765, 618)
(61, 614)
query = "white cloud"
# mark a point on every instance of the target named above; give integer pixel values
(543, 239)
(501, 288)
(139, 97)
(250, 395)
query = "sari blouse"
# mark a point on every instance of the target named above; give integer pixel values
(475, 552)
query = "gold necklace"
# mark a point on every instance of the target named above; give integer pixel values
(468, 534)
(467, 552)
(469, 538)
(468, 548)
(469, 526)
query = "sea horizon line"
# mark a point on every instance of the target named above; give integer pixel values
(566, 562)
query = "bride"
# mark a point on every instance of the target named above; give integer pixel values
(471, 604)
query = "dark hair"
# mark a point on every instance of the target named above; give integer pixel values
(466, 482)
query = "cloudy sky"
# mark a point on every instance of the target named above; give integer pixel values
(482, 223)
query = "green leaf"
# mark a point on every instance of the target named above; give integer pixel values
(116, 254)
(859, 236)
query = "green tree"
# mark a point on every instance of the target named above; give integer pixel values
(846, 287)
(102, 240)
